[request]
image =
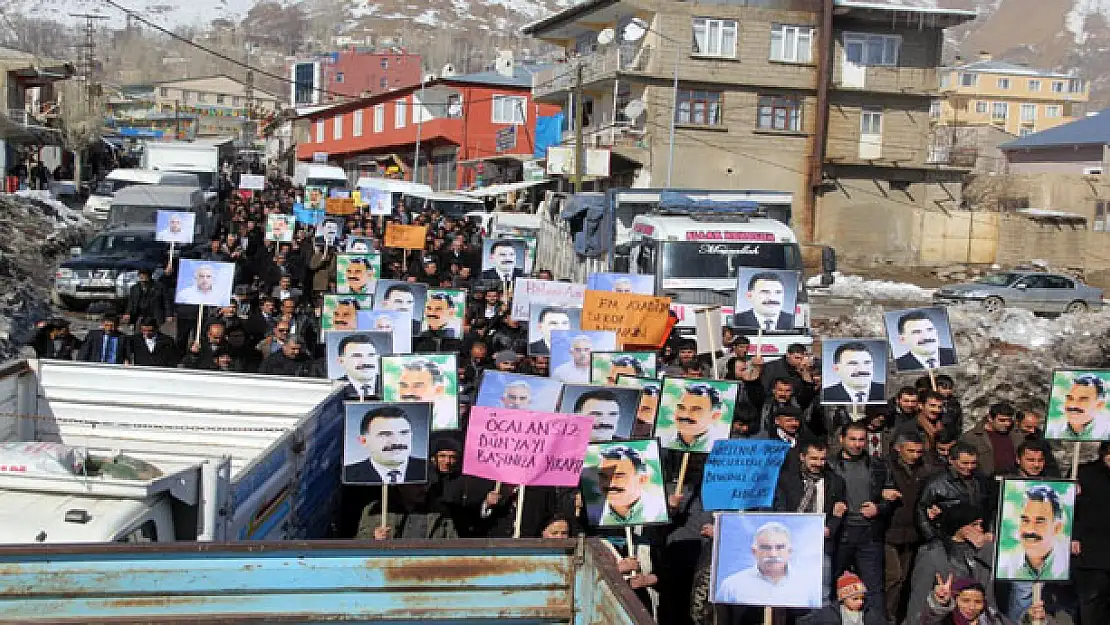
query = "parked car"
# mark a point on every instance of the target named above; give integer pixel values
(1045, 293)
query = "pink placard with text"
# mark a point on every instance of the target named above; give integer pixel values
(526, 447)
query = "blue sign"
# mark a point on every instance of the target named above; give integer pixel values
(741, 474)
(307, 215)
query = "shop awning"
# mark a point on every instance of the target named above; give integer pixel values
(495, 190)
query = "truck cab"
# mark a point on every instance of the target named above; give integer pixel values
(32, 517)
(100, 200)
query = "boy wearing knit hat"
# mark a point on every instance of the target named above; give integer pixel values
(850, 592)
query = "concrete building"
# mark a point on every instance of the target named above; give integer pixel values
(1079, 148)
(219, 102)
(351, 73)
(1017, 99)
(29, 86)
(469, 127)
(825, 99)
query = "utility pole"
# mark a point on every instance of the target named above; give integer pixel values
(86, 54)
(247, 140)
(579, 149)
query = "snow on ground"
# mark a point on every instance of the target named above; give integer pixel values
(859, 288)
(64, 216)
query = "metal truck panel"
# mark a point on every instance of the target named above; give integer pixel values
(459, 581)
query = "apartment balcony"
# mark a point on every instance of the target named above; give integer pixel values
(629, 139)
(602, 66)
(921, 81)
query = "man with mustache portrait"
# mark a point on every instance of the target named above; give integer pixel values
(697, 417)
(766, 295)
(918, 334)
(359, 357)
(854, 364)
(774, 579)
(386, 431)
(622, 477)
(1043, 552)
(1084, 410)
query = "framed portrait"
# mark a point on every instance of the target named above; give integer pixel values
(1035, 520)
(340, 312)
(444, 311)
(622, 484)
(175, 226)
(280, 227)
(316, 198)
(503, 260)
(409, 297)
(646, 412)
(329, 231)
(386, 443)
(398, 324)
(432, 378)
(694, 412)
(360, 245)
(542, 320)
(768, 559)
(1077, 405)
(613, 408)
(641, 284)
(853, 371)
(606, 367)
(204, 283)
(501, 389)
(357, 273)
(920, 338)
(380, 203)
(307, 216)
(571, 351)
(354, 358)
(765, 299)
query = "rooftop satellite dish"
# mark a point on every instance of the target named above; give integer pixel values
(606, 36)
(635, 29)
(634, 109)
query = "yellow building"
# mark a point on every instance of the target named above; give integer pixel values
(1011, 97)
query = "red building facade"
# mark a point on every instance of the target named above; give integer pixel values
(467, 127)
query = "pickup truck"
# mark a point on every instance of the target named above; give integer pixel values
(476, 582)
(185, 455)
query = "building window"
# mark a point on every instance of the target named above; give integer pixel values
(934, 109)
(968, 80)
(1057, 86)
(320, 131)
(1034, 86)
(779, 113)
(715, 38)
(400, 113)
(508, 109)
(221, 99)
(383, 83)
(868, 49)
(164, 92)
(699, 107)
(871, 121)
(379, 118)
(356, 124)
(385, 63)
(339, 77)
(337, 127)
(1102, 211)
(1052, 110)
(1003, 83)
(238, 100)
(1028, 113)
(945, 80)
(981, 107)
(1077, 85)
(791, 44)
(1000, 111)
(1025, 131)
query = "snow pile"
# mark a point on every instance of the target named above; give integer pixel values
(34, 236)
(1004, 356)
(64, 216)
(859, 288)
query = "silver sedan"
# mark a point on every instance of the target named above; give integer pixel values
(1046, 293)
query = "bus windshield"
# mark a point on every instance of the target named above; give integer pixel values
(691, 259)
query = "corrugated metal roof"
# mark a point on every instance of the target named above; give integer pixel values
(1093, 130)
(1005, 67)
(522, 77)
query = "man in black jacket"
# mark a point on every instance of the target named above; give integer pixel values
(147, 299)
(54, 340)
(105, 345)
(1090, 540)
(870, 495)
(910, 472)
(815, 488)
(290, 361)
(960, 484)
(151, 348)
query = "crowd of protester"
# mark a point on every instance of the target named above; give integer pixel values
(909, 490)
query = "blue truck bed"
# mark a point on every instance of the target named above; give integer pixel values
(462, 582)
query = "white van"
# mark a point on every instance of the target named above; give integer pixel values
(100, 201)
(317, 175)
